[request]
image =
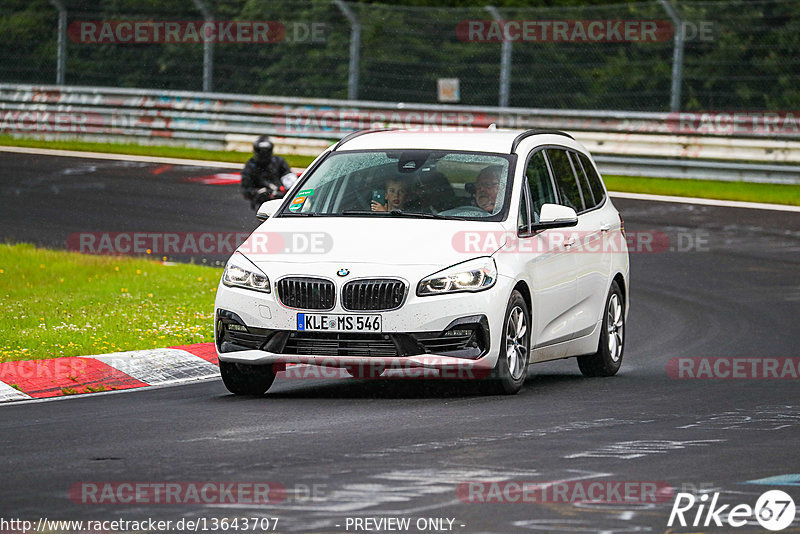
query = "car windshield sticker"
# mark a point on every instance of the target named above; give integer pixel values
(297, 203)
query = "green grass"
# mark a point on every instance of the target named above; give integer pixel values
(145, 150)
(69, 304)
(748, 192)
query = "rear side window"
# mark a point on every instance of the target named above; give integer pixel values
(595, 184)
(588, 195)
(567, 185)
(539, 183)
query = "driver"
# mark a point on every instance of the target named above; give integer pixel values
(486, 187)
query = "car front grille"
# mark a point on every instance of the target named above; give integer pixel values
(339, 344)
(379, 294)
(307, 293)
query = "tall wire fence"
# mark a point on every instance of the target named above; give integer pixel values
(645, 56)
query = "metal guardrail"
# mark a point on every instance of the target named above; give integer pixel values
(624, 142)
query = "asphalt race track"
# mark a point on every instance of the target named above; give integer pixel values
(348, 449)
(46, 199)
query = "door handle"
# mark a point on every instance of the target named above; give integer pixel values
(570, 243)
(605, 228)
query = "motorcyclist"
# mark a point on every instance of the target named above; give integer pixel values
(265, 177)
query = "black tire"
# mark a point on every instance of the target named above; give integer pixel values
(608, 358)
(511, 369)
(243, 379)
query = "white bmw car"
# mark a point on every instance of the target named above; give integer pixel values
(468, 255)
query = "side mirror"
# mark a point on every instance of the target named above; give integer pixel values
(555, 216)
(268, 209)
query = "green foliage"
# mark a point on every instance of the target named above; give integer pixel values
(28, 37)
(750, 60)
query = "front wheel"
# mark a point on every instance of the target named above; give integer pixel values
(511, 369)
(608, 358)
(243, 379)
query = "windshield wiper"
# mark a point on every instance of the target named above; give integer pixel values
(401, 213)
(395, 213)
(362, 212)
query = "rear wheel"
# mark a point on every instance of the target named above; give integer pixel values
(608, 358)
(243, 379)
(511, 369)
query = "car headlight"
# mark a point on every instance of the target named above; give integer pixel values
(240, 272)
(473, 275)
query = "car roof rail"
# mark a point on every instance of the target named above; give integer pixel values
(353, 135)
(536, 131)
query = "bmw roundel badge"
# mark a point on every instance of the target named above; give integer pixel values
(343, 272)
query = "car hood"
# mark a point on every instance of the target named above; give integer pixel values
(377, 240)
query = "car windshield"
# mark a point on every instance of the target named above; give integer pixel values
(405, 183)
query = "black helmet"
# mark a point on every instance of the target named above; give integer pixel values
(262, 148)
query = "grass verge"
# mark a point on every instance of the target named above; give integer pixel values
(146, 150)
(744, 191)
(68, 304)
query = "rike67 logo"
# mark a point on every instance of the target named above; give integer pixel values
(774, 510)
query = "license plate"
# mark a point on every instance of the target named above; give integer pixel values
(313, 322)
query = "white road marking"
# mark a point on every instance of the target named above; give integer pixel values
(706, 201)
(127, 157)
(763, 418)
(120, 157)
(467, 441)
(627, 450)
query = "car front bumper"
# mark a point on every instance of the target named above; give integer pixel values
(454, 331)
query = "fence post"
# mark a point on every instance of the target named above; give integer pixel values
(61, 58)
(505, 60)
(677, 56)
(355, 49)
(208, 48)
